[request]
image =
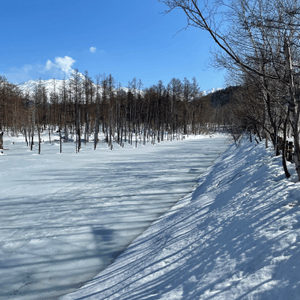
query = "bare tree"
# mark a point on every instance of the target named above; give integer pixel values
(261, 39)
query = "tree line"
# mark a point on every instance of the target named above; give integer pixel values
(80, 108)
(258, 44)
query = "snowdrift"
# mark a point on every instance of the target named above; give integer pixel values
(236, 236)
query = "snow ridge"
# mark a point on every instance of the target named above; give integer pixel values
(235, 237)
(55, 85)
(213, 90)
(30, 86)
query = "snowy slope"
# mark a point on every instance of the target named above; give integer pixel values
(56, 85)
(213, 90)
(236, 236)
(29, 87)
(64, 217)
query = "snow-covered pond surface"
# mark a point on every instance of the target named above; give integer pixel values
(65, 217)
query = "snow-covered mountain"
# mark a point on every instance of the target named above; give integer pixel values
(213, 90)
(29, 87)
(52, 85)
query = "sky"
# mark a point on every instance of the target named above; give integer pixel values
(128, 39)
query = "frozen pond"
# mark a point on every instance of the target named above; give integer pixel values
(65, 217)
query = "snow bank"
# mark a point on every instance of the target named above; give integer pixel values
(64, 217)
(235, 237)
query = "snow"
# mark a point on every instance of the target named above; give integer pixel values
(65, 217)
(213, 90)
(80, 222)
(235, 236)
(30, 86)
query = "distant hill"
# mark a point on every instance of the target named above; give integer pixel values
(220, 97)
(28, 87)
(213, 90)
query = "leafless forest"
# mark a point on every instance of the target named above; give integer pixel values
(258, 44)
(79, 108)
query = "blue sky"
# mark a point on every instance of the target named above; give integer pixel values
(133, 38)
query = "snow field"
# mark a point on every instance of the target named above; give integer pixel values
(236, 236)
(65, 217)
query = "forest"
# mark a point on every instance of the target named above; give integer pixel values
(79, 108)
(258, 44)
(259, 47)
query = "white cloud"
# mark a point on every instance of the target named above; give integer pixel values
(60, 68)
(62, 64)
(93, 49)
(49, 65)
(24, 73)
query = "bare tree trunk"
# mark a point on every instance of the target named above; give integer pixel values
(25, 134)
(39, 136)
(60, 140)
(1, 140)
(49, 134)
(32, 132)
(287, 174)
(294, 109)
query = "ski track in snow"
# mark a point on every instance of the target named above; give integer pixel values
(236, 236)
(65, 217)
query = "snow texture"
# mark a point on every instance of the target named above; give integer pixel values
(65, 217)
(236, 236)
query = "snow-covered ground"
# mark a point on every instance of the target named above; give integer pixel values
(65, 217)
(236, 236)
